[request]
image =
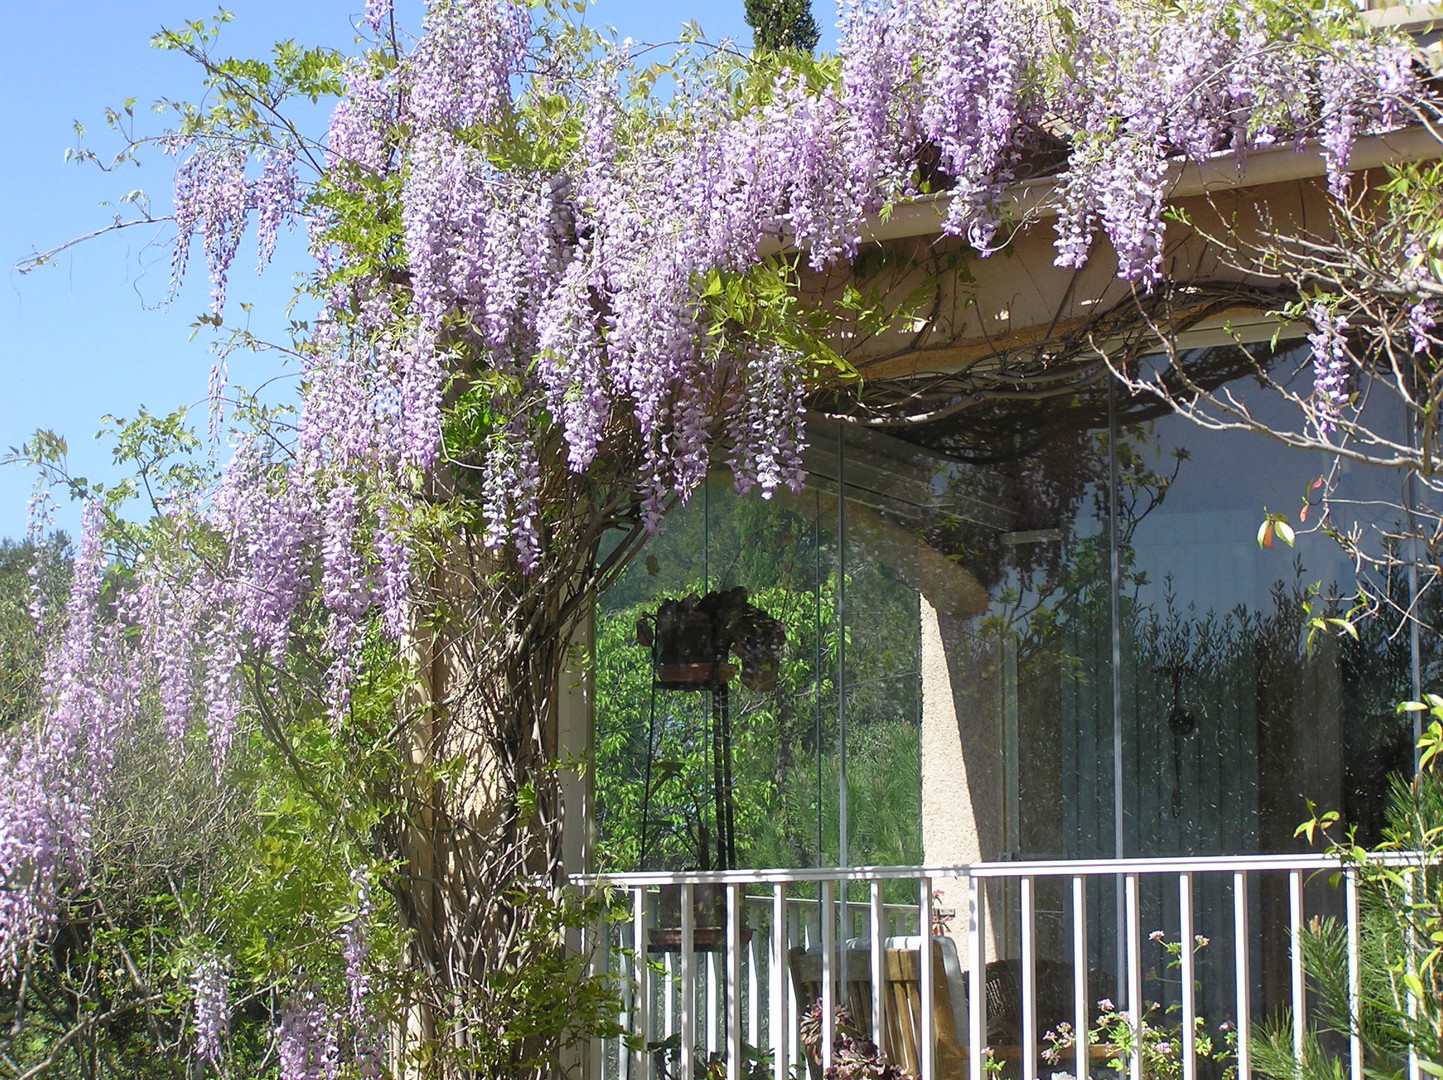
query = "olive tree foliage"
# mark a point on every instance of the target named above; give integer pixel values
(552, 284)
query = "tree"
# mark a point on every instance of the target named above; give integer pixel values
(779, 25)
(547, 298)
(32, 580)
(1395, 1011)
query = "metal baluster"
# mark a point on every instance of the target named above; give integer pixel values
(1189, 976)
(1355, 981)
(1295, 945)
(927, 1028)
(1241, 973)
(1027, 916)
(733, 1001)
(777, 988)
(599, 963)
(1132, 909)
(1081, 1010)
(977, 975)
(798, 930)
(1410, 946)
(713, 1005)
(878, 939)
(754, 983)
(627, 936)
(643, 982)
(829, 944)
(688, 985)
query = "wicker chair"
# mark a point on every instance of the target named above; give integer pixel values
(1053, 993)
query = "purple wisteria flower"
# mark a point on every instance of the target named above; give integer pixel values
(1330, 367)
(210, 985)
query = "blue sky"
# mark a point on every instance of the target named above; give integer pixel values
(89, 335)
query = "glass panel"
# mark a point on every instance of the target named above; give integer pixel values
(1028, 661)
(1230, 721)
(660, 756)
(657, 750)
(881, 659)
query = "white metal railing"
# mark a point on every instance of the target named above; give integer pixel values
(725, 993)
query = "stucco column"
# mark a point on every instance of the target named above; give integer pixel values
(962, 766)
(575, 724)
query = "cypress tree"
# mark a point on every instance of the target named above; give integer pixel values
(779, 25)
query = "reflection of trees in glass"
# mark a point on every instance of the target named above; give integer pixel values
(1228, 720)
(774, 746)
(785, 740)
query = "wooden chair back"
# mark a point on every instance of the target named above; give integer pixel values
(807, 980)
(903, 1029)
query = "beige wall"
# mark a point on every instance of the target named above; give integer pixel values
(962, 761)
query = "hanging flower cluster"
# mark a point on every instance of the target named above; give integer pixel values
(211, 987)
(1330, 368)
(52, 775)
(573, 279)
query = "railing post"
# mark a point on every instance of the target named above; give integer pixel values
(1298, 985)
(1027, 912)
(626, 933)
(797, 931)
(1132, 914)
(1081, 1007)
(1241, 973)
(688, 985)
(732, 1004)
(669, 991)
(1410, 965)
(777, 989)
(927, 1025)
(1188, 972)
(753, 967)
(977, 974)
(714, 990)
(642, 1001)
(1355, 981)
(828, 929)
(599, 965)
(878, 940)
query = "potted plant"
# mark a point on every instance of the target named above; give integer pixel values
(691, 639)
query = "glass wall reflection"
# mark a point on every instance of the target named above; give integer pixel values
(823, 763)
(1046, 630)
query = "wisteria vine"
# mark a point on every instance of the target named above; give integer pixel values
(467, 241)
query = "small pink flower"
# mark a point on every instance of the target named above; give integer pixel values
(1106, 1005)
(1156, 935)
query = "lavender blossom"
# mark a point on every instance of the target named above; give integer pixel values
(210, 985)
(1330, 368)
(1422, 321)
